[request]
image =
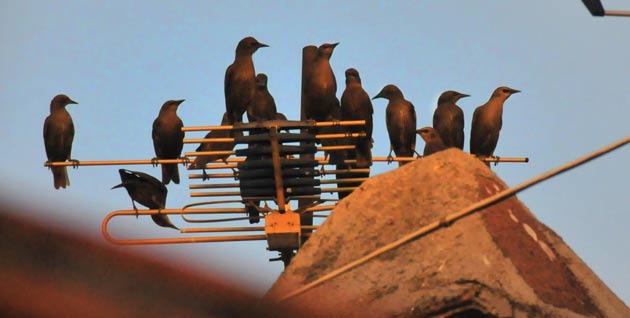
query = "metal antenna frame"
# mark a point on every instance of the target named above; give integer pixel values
(273, 127)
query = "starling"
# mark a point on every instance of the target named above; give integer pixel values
(432, 141)
(239, 79)
(487, 122)
(201, 161)
(148, 191)
(168, 139)
(448, 119)
(58, 136)
(401, 123)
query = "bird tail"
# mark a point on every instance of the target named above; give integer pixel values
(163, 221)
(364, 154)
(60, 177)
(252, 210)
(170, 172)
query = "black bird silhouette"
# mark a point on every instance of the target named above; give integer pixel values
(148, 191)
(239, 79)
(168, 139)
(432, 141)
(263, 106)
(201, 161)
(401, 123)
(448, 119)
(320, 86)
(487, 122)
(58, 136)
(356, 105)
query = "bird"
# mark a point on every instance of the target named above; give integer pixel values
(58, 136)
(201, 161)
(320, 85)
(148, 191)
(400, 117)
(263, 106)
(432, 141)
(487, 122)
(356, 105)
(448, 119)
(168, 139)
(309, 55)
(281, 116)
(240, 79)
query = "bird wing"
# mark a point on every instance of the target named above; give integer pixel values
(146, 178)
(411, 131)
(227, 85)
(157, 143)
(68, 137)
(180, 136)
(47, 141)
(475, 133)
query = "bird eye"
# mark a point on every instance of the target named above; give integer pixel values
(505, 90)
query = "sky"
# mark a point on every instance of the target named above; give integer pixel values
(120, 60)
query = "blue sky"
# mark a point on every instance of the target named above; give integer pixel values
(121, 60)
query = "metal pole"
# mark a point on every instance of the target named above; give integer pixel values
(277, 169)
(115, 162)
(306, 124)
(615, 13)
(319, 136)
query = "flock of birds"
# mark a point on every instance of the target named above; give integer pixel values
(246, 93)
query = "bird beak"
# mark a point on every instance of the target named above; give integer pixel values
(463, 95)
(335, 45)
(514, 91)
(418, 131)
(117, 186)
(73, 102)
(262, 45)
(180, 101)
(377, 96)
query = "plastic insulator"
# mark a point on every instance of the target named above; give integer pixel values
(263, 183)
(284, 150)
(268, 173)
(284, 163)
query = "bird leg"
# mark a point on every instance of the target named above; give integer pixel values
(322, 171)
(389, 156)
(417, 154)
(496, 162)
(185, 161)
(233, 170)
(134, 207)
(154, 161)
(75, 163)
(204, 175)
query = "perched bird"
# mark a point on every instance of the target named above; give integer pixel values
(356, 105)
(320, 86)
(168, 139)
(309, 55)
(58, 136)
(280, 116)
(335, 156)
(148, 191)
(263, 106)
(432, 140)
(487, 122)
(201, 161)
(239, 79)
(401, 123)
(448, 119)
